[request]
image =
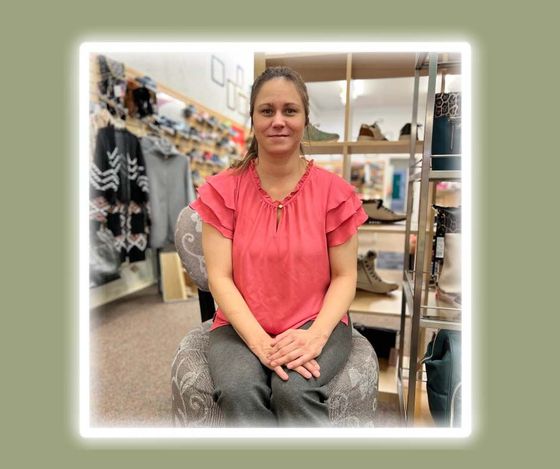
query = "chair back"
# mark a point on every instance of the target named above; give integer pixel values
(188, 242)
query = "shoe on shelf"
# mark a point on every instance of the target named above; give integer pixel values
(313, 134)
(188, 111)
(405, 131)
(443, 298)
(371, 132)
(368, 279)
(378, 213)
(147, 82)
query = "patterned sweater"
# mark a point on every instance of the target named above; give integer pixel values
(119, 191)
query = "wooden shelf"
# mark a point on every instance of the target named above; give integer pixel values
(312, 66)
(378, 304)
(384, 146)
(323, 148)
(384, 228)
(315, 66)
(451, 175)
(387, 377)
(422, 414)
(388, 306)
(362, 147)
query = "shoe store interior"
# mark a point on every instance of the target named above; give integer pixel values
(162, 122)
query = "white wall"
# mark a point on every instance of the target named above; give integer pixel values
(387, 100)
(191, 74)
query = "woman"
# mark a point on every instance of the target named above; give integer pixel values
(280, 243)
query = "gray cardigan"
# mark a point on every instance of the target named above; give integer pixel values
(171, 187)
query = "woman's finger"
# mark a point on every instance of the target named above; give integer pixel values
(285, 358)
(278, 344)
(281, 373)
(315, 363)
(312, 368)
(303, 372)
(298, 361)
(273, 355)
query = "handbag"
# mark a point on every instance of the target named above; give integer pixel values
(446, 136)
(104, 258)
(443, 368)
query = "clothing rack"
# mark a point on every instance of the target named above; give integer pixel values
(169, 271)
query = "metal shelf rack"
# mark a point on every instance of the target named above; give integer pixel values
(418, 305)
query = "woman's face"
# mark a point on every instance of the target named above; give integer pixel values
(278, 117)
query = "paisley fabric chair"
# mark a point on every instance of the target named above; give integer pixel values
(352, 392)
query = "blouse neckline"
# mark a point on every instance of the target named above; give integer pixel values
(291, 195)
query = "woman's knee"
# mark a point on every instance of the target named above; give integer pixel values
(244, 394)
(297, 390)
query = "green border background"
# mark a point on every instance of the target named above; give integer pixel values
(515, 171)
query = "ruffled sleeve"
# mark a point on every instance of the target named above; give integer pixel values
(216, 203)
(344, 212)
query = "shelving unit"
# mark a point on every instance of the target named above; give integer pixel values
(420, 311)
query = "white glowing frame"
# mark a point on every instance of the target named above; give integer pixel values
(292, 434)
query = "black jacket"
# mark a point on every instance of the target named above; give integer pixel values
(119, 191)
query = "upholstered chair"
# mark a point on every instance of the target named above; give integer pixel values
(352, 392)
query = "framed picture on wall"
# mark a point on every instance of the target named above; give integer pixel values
(218, 71)
(242, 104)
(231, 92)
(239, 76)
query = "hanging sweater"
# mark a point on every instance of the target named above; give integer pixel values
(119, 191)
(171, 187)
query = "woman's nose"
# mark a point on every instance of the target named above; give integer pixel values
(278, 120)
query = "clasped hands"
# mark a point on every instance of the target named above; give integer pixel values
(297, 350)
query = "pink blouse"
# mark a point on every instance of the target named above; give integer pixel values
(283, 272)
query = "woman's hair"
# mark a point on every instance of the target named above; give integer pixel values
(269, 74)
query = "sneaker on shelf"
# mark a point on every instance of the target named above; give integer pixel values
(378, 213)
(313, 134)
(371, 132)
(368, 280)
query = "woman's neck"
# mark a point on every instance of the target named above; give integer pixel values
(272, 168)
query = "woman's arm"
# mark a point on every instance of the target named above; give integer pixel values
(217, 254)
(342, 289)
(295, 347)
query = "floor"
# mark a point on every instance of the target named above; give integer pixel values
(133, 342)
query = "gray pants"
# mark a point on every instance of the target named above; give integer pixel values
(251, 395)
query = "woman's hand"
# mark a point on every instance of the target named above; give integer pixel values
(264, 349)
(296, 348)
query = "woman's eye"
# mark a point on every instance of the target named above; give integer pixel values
(291, 111)
(266, 112)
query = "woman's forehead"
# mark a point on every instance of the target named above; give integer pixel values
(278, 89)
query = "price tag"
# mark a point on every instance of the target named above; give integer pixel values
(440, 247)
(119, 91)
